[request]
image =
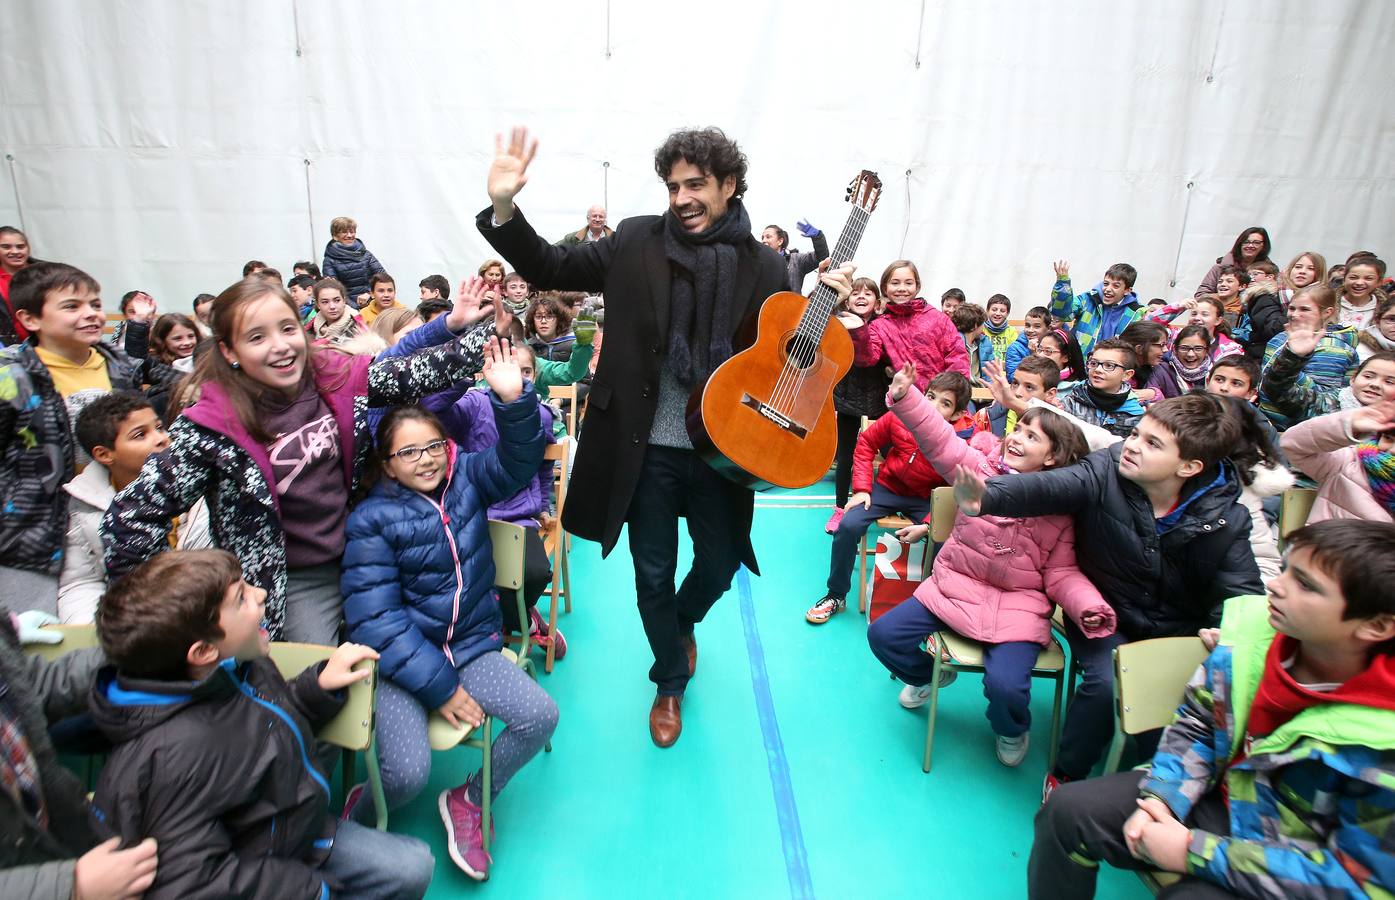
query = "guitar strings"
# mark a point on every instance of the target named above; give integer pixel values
(790, 383)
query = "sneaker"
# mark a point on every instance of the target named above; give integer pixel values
(1052, 782)
(538, 634)
(1012, 750)
(825, 609)
(831, 526)
(464, 837)
(914, 696)
(351, 799)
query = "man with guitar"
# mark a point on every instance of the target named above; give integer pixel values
(678, 287)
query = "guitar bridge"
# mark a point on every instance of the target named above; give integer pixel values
(774, 415)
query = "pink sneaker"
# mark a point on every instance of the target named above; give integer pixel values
(464, 837)
(351, 799)
(539, 634)
(831, 526)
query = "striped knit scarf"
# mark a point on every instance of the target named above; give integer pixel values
(1380, 473)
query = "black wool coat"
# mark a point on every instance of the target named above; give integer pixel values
(633, 272)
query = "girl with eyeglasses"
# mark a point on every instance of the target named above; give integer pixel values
(419, 588)
(1380, 334)
(1188, 365)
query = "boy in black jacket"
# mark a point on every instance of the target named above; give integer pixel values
(1159, 529)
(215, 753)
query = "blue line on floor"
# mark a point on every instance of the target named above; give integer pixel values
(786, 810)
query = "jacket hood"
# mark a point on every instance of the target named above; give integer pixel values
(92, 486)
(1130, 299)
(1204, 498)
(125, 708)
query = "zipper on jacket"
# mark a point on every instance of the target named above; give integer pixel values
(455, 557)
(295, 731)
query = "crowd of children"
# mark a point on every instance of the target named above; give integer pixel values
(323, 459)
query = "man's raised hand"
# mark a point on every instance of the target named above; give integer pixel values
(509, 171)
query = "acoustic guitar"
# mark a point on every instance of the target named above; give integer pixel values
(765, 417)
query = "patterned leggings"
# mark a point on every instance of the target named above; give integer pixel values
(502, 690)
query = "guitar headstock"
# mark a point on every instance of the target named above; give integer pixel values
(865, 190)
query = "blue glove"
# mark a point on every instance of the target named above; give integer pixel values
(806, 229)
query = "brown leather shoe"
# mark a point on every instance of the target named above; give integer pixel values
(666, 719)
(690, 644)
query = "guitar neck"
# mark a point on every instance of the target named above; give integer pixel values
(824, 299)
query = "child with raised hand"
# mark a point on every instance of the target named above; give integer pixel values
(1274, 779)
(1160, 530)
(276, 444)
(419, 587)
(996, 580)
(911, 330)
(859, 394)
(213, 753)
(996, 325)
(903, 485)
(1035, 323)
(1101, 313)
(1310, 362)
(1351, 455)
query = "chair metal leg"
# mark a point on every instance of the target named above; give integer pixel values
(1056, 721)
(934, 706)
(1116, 752)
(375, 784)
(487, 783)
(862, 575)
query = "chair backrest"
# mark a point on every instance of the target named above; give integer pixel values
(1294, 509)
(566, 392)
(507, 539)
(943, 509)
(1150, 678)
(75, 637)
(560, 452)
(352, 727)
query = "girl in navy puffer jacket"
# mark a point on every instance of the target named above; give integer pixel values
(418, 587)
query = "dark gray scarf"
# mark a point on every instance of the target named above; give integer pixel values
(702, 289)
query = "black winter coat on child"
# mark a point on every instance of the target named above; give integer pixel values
(1164, 577)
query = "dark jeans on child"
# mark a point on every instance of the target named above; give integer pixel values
(676, 484)
(1089, 724)
(855, 523)
(368, 864)
(895, 638)
(849, 426)
(1084, 820)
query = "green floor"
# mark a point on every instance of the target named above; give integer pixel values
(822, 796)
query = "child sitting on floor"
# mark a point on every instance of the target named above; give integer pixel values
(903, 485)
(1276, 777)
(214, 749)
(1160, 530)
(418, 587)
(996, 580)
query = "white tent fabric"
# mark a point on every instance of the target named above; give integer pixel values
(160, 143)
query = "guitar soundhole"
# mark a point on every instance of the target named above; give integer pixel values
(801, 351)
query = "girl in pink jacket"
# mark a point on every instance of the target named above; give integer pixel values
(996, 580)
(1351, 455)
(911, 330)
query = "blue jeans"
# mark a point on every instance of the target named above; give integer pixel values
(1007, 679)
(854, 525)
(1089, 723)
(377, 865)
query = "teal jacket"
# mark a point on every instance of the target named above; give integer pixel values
(1311, 805)
(1090, 320)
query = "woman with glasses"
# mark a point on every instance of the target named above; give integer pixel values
(418, 586)
(1249, 248)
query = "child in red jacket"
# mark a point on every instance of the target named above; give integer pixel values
(903, 485)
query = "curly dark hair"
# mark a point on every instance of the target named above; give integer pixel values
(707, 148)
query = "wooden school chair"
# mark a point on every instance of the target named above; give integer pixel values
(351, 729)
(965, 655)
(557, 544)
(1294, 508)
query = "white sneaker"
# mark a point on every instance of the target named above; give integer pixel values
(913, 696)
(1012, 750)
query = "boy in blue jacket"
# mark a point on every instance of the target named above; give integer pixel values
(1276, 779)
(1101, 313)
